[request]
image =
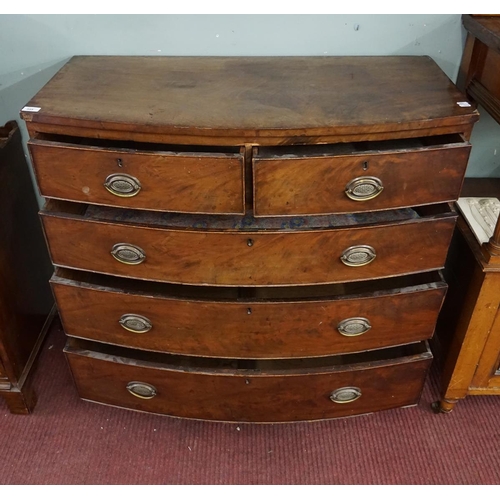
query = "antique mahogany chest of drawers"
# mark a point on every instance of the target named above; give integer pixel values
(249, 239)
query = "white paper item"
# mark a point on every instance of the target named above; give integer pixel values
(481, 214)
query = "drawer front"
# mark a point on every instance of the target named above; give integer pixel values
(358, 182)
(245, 259)
(250, 329)
(243, 396)
(179, 182)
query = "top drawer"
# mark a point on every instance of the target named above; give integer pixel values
(358, 177)
(179, 179)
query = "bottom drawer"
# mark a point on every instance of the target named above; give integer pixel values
(249, 390)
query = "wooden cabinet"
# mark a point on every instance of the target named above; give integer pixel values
(249, 239)
(25, 297)
(479, 74)
(469, 327)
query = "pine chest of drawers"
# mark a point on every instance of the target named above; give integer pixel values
(249, 239)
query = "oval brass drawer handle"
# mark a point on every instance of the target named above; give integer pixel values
(128, 254)
(141, 390)
(135, 323)
(358, 255)
(364, 188)
(352, 327)
(345, 395)
(122, 185)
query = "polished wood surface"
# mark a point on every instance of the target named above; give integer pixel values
(289, 99)
(25, 297)
(240, 314)
(252, 327)
(177, 181)
(287, 184)
(265, 392)
(241, 258)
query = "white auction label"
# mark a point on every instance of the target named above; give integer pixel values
(464, 104)
(31, 108)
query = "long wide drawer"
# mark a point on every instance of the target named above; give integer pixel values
(152, 178)
(250, 391)
(272, 323)
(238, 257)
(358, 177)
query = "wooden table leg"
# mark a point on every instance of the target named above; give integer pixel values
(444, 405)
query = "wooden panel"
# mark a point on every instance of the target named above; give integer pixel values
(262, 392)
(484, 27)
(36, 129)
(25, 296)
(245, 96)
(487, 369)
(286, 184)
(480, 66)
(490, 76)
(251, 328)
(240, 258)
(170, 181)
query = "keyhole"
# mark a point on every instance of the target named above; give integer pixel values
(119, 161)
(249, 310)
(250, 242)
(365, 165)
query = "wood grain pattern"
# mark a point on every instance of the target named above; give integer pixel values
(170, 181)
(249, 395)
(245, 97)
(288, 185)
(486, 28)
(471, 367)
(41, 129)
(471, 340)
(479, 78)
(251, 328)
(487, 374)
(225, 258)
(480, 65)
(236, 349)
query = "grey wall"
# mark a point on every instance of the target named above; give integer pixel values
(34, 47)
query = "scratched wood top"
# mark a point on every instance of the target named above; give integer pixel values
(251, 96)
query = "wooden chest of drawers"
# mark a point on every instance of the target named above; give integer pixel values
(249, 239)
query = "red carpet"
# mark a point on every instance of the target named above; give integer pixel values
(68, 441)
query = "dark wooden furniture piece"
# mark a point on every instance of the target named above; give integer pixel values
(249, 239)
(25, 296)
(479, 74)
(471, 339)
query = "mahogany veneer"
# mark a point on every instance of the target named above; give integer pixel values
(249, 239)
